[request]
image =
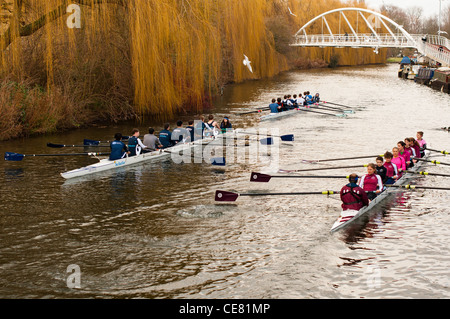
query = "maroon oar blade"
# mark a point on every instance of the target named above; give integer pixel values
(223, 196)
(259, 177)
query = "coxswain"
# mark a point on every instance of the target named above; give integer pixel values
(371, 182)
(422, 143)
(353, 197)
(165, 136)
(316, 98)
(280, 104)
(380, 169)
(179, 134)
(135, 144)
(274, 107)
(151, 141)
(118, 148)
(391, 169)
(225, 125)
(398, 160)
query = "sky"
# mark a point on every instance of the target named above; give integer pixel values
(430, 7)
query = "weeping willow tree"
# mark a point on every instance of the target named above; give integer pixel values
(137, 58)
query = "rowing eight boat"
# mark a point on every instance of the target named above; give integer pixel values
(349, 216)
(107, 164)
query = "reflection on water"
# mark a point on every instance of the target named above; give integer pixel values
(154, 230)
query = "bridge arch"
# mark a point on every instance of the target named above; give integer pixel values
(434, 47)
(383, 20)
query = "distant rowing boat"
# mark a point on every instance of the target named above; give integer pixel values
(273, 116)
(107, 164)
(349, 216)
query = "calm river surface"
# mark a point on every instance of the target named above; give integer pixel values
(155, 231)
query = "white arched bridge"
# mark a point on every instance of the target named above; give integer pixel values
(371, 29)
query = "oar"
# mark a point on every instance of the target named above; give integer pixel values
(286, 137)
(340, 159)
(433, 162)
(430, 149)
(94, 142)
(224, 196)
(10, 156)
(63, 145)
(318, 169)
(338, 115)
(431, 174)
(336, 104)
(335, 108)
(255, 111)
(419, 187)
(264, 178)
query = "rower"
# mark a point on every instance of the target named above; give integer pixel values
(274, 107)
(280, 104)
(309, 97)
(398, 160)
(165, 136)
(391, 169)
(353, 197)
(118, 148)
(225, 125)
(212, 128)
(191, 129)
(413, 147)
(200, 128)
(151, 141)
(135, 144)
(422, 142)
(179, 134)
(405, 153)
(380, 169)
(371, 182)
(300, 100)
(294, 101)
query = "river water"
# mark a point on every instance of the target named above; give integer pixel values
(155, 231)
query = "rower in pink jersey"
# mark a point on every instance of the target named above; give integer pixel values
(405, 153)
(422, 142)
(371, 182)
(391, 169)
(399, 161)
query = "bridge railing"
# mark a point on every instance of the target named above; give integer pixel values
(361, 40)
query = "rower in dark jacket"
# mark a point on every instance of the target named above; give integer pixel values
(165, 136)
(353, 197)
(118, 148)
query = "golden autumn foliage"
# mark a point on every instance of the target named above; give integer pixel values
(138, 58)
